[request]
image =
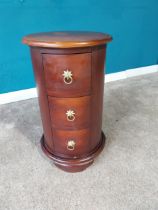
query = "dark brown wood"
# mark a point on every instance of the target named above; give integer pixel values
(42, 96)
(80, 106)
(76, 164)
(67, 39)
(98, 58)
(68, 51)
(80, 66)
(81, 138)
(71, 142)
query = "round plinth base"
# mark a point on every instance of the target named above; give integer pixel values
(78, 164)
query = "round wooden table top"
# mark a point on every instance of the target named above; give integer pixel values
(67, 39)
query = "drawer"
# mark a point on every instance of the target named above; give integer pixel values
(71, 143)
(70, 113)
(67, 75)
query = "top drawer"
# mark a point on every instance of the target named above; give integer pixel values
(67, 75)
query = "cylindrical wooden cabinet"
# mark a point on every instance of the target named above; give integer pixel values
(69, 71)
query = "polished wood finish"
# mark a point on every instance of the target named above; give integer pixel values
(67, 39)
(71, 142)
(76, 164)
(98, 59)
(81, 138)
(80, 106)
(42, 96)
(78, 64)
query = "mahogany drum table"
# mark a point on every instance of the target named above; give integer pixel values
(69, 72)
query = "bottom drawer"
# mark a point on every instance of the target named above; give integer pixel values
(72, 143)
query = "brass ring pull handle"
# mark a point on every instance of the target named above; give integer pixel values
(70, 115)
(71, 145)
(67, 77)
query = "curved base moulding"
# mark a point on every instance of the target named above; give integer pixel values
(78, 164)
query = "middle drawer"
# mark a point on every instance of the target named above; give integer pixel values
(70, 113)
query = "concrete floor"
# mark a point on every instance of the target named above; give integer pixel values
(123, 177)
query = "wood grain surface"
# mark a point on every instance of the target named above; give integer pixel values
(67, 39)
(71, 144)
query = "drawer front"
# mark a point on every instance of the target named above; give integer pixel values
(67, 75)
(70, 113)
(71, 143)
